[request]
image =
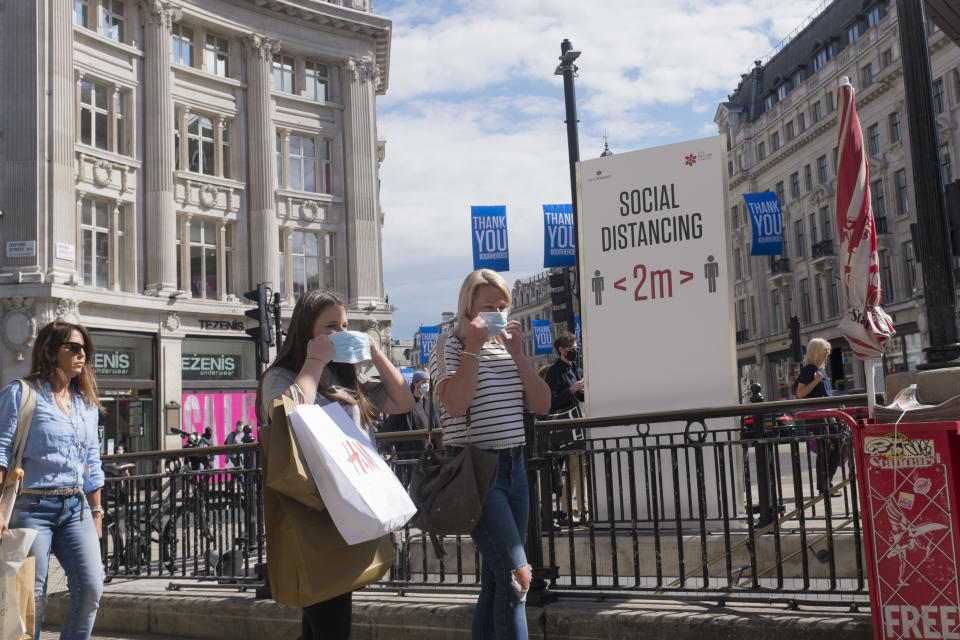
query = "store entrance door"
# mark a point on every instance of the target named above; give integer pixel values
(128, 424)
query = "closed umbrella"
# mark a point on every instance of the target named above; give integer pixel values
(865, 325)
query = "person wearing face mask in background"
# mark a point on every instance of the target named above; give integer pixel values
(566, 395)
(421, 417)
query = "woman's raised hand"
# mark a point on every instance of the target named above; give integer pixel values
(476, 334)
(320, 349)
(513, 338)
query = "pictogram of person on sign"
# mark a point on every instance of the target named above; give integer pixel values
(711, 271)
(597, 285)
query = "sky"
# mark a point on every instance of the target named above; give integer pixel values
(474, 114)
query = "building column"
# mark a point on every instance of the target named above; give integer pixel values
(363, 258)
(63, 128)
(262, 172)
(161, 264)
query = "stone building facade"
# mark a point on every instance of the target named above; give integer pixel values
(532, 301)
(158, 158)
(781, 124)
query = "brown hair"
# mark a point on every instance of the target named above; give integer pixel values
(293, 353)
(43, 361)
(564, 341)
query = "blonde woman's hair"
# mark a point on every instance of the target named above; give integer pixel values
(814, 348)
(477, 279)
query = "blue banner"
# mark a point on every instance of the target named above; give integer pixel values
(428, 337)
(576, 331)
(559, 249)
(489, 230)
(767, 222)
(542, 336)
(407, 373)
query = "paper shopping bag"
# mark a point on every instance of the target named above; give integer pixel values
(284, 470)
(17, 574)
(362, 494)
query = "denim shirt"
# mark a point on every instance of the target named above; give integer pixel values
(61, 451)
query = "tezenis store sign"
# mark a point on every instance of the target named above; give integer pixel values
(210, 367)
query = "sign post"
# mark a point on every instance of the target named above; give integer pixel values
(658, 330)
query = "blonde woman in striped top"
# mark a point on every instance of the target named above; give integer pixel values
(484, 382)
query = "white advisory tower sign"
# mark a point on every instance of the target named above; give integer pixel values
(656, 298)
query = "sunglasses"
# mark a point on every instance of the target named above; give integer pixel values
(75, 347)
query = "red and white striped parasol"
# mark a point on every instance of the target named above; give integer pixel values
(865, 325)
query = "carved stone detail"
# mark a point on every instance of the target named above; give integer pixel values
(160, 12)
(101, 173)
(172, 321)
(18, 325)
(208, 196)
(68, 310)
(261, 46)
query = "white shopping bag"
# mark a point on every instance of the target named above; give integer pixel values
(14, 547)
(363, 496)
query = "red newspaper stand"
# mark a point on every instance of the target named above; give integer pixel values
(908, 475)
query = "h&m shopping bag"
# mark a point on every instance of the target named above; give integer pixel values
(17, 578)
(308, 559)
(362, 494)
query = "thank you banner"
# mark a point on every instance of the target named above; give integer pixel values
(542, 336)
(489, 227)
(767, 222)
(558, 246)
(407, 373)
(428, 337)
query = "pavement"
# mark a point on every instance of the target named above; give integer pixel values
(53, 633)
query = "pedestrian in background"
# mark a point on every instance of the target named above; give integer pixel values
(62, 476)
(234, 438)
(566, 395)
(813, 382)
(484, 381)
(304, 371)
(422, 416)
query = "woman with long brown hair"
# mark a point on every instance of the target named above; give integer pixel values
(305, 371)
(61, 470)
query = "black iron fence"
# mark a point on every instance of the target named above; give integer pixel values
(722, 503)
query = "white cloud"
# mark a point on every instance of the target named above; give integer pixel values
(474, 114)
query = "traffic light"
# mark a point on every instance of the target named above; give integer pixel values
(263, 333)
(795, 348)
(561, 298)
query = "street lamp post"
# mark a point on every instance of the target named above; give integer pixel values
(568, 70)
(932, 227)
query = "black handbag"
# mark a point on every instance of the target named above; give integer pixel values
(449, 492)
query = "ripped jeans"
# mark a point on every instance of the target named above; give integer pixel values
(501, 610)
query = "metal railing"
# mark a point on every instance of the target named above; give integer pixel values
(719, 503)
(822, 249)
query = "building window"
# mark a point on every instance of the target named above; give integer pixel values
(802, 121)
(111, 12)
(317, 81)
(329, 261)
(894, 119)
(790, 133)
(120, 110)
(225, 153)
(815, 112)
(782, 91)
(813, 229)
(805, 301)
(830, 103)
(798, 234)
(903, 206)
(836, 156)
(200, 144)
(283, 74)
(797, 79)
(886, 276)
(788, 295)
(795, 185)
(311, 259)
(95, 242)
(216, 56)
(94, 115)
(761, 151)
(777, 312)
(818, 279)
(867, 75)
(808, 177)
(182, 45)
(769, 102)
(879, 204)
(819, 59)
(775, 140)
(81, 12)
(303, 164)
(873, 139)
(853, 32)
(827, 226)
(956, 83)
(729, 167)
(886, 58)
(822, 177)
(735, 217)
(909, 269)
(742, 315)
(938, 97)
(834, 295)
(204, 258)
(738, 263)
(946, 175)
(873, 18)
(779, 191)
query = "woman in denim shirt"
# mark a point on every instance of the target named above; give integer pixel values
(61, 471)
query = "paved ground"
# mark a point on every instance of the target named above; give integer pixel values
(53, 633)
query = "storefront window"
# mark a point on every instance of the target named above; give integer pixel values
(212, 359)
(903, 354)
(124, 366)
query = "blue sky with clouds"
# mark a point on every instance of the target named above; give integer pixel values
(474, 115)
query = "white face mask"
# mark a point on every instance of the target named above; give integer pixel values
(425, 388)
(350, 346)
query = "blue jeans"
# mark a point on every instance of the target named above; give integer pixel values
(501, 610)
(73, 540)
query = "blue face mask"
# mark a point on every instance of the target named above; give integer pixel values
(496, 322)
(351, 346)
(425, 388)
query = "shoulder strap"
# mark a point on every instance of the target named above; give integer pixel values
(28, 402)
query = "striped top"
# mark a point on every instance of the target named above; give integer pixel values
(496, 413)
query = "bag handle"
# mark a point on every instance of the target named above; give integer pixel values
(28, 403)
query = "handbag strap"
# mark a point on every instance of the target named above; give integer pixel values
(28, 403)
